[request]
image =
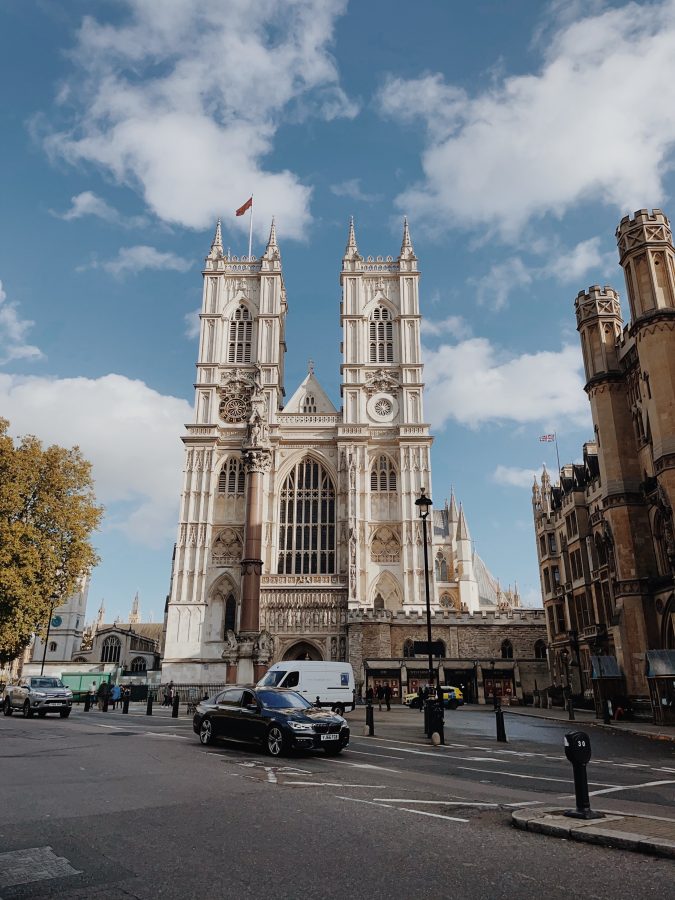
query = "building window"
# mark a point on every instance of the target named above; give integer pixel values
(230, 613)
(408, 648)
(138, 664)
(378, 602)
(52, 646)
(540, 650)
(241, 334)
(571, 525)
(381, 336)
(507, 649)
(560, 625)
(547, 582)
(309, 404)
(542, 545)
(111, 649)
(231, 478)
(552, 549)
(383, 475)
(555, 573)
(307, 521)
(441, 568)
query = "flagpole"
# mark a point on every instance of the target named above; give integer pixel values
(250, 229)
(557, 456)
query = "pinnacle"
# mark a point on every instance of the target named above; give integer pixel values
(217, 243)
(407, 251)
(351, 250)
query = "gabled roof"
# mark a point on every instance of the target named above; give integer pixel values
(310, 387)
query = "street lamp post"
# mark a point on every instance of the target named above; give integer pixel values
(424, 504)
(49, 625)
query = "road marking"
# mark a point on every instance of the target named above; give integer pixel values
(382, 755)
(177, 737)
(32, 864)
(524, 803)
(630, 787)
(515, 775)
(436, 802)
(334, 784)
(344, 762)
(417, 812)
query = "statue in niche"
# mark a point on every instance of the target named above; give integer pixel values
(333, 648)
(231, 643)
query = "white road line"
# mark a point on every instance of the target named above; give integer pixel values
(382, 755)
(177, 737)
(524, 803)
(370, 787)
(344, 762)
(630, 787)
(436, 802)
(418, 812)
(515, 775)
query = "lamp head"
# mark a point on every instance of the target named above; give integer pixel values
(424, 504)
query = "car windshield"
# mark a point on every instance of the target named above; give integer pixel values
(283, 700)
(46, 682)
(272, 679)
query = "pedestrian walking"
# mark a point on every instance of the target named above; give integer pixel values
(386, 693)
(116, 695)
(380, 696)
(102, 694)
(92, 695)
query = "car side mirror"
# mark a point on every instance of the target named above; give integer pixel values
(253, 707)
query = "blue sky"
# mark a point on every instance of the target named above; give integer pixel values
(513, 135)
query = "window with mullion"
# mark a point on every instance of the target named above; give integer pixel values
(307, 521)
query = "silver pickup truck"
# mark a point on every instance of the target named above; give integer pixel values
(39, 694)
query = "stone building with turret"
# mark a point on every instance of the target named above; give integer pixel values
(605, 532)
(299, 536)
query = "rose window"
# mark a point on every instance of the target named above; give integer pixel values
(383, 407)
(234, 409)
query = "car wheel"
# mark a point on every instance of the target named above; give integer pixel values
(276, 742)
(64, 713)
(27, 711)
(206, 732)
(333, 751)
(7, 708)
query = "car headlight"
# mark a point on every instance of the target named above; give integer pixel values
(38, 694)
(301, 726)
(69, 693)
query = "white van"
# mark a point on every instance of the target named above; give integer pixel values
(322, 683)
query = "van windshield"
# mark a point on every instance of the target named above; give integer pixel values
(272, 679)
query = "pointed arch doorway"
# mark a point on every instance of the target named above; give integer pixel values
(303, 650)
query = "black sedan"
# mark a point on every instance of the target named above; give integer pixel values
(279, 720)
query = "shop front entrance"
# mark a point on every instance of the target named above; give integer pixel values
(465, 679)
(382, 678)
(498, 684)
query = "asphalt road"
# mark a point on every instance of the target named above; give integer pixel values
(112, 806)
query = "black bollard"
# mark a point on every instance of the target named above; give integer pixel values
(87, 702)
(606, 712)
(501, 730)
(437, 721)
(370, 719)
(174, 710)
(427, 717)
(578, 750)
(148, 708)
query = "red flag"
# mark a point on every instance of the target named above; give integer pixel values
(547, 437)
(247, 205)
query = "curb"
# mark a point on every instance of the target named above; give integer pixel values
(550, 821)
(613, 729)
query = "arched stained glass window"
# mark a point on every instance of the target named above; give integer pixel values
(138, 664)
(507, 649)
(441, 568)
(231, 479)
(307, 521)
(230, 613)
(383, 475)
(381, 336)
(241, 336)
(110, 652)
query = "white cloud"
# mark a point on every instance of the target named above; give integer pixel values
(513, 476)
(192, 324)
(575, 263)
(596, 122)
(131, 260)
(13, 330)
(184, 105)
(474, 382)
(352, 189)
(89, 204)
(453, 325)
(129, 432)
(494, 288)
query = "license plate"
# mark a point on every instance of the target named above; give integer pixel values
(330, 737)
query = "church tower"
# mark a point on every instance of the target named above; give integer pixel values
(239, 389)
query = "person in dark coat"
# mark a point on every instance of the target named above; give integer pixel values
(386, 694)
(380, 696)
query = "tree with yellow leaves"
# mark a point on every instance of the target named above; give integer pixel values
(47, 515)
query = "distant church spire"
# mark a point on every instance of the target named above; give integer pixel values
(272, 248)
(217, 243)
(407, 251)
(135, 614)
(351, 250)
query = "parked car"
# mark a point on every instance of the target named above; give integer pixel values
(452, 697)
(39, 694)
(278, 720)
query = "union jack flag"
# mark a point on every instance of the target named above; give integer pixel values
(547, 437)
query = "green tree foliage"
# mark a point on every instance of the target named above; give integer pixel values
(47, 515)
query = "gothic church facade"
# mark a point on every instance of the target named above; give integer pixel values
(298, 520)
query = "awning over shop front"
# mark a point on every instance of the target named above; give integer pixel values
(605, 667)
(660, 663)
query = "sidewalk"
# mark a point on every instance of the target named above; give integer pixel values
(643, 834)
(587, 717)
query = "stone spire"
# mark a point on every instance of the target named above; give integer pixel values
(217, 243)
(452, 512)
(351, 250)
(407, 251)
(135, 614)
(101, 613)
(272, 253)
(462, 533)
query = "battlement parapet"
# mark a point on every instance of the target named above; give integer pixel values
(596, 302)
(643, 228)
